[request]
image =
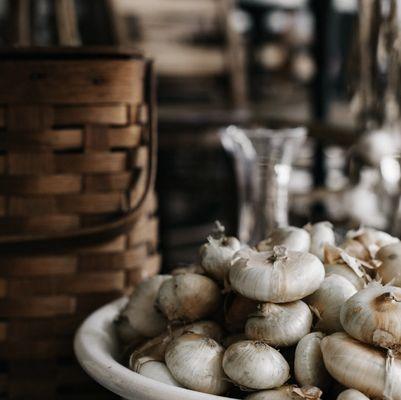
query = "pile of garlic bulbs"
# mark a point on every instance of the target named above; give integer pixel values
(297, 317)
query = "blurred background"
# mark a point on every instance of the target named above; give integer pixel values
(219, 63)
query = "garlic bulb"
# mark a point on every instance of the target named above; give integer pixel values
(125, 332)
(236, 311)
(355, 249)
(390, 268)
(294, 239)
(351, 394)
(280, 324)
(362, 367)
(144, 319)
(195, 361)
(277, 276)
(321, 234)
(308, 365)
(216, 255)
(154, 369)
(156, 347)
(255, 365)
(327, 301)
(287, 393)
(373, 315)
(188, 297)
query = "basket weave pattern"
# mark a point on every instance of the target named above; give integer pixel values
(73, 154)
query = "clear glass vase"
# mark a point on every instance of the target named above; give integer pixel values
(263, 160)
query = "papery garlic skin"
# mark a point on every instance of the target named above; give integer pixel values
(288, 392)
(346, 272)
(196, 362)
(255, 365)
(328, 300)
(355, 249)
(291, 237)
(153, 369)
(370, 236)
(321, 234)
(360, 366)
(308, 365)
(280, 324)
(390, 268)
(373, 315)
(188, 297)
(351, 394)
(279, 276)
(216, 256)
(140, 310)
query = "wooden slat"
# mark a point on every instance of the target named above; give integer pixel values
(128, 259)
(31, 266)
(67, 24)
(97, 282)
(40, 184)
(149, 268)
(37, 307)
(102, 162)
(79, 115)
(144, 231)
(66, 204)
(107, 182)
(89, 81)
(68, 139)
(42, 224)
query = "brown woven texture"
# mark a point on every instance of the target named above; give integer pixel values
(75, 156)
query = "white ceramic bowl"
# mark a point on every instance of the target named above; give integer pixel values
(96, 348)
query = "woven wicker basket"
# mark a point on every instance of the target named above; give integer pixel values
(77, 207)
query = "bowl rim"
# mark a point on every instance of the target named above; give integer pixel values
(95, 347)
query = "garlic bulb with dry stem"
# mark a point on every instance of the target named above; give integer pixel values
(188, 297)
(308, 365)
(277, 276)
(346, 272)
(140, 312)
(290, 392)
(236, 311)
(196, 362)
(255, 365)
(152, 368)
(294, 239)
(321, 234)
(351, 394)
(280, 324)
(373, 315)
(362, 367)
(216, 255)
(327, 301)
(390, 268)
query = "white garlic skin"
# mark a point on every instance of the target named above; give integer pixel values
(140, 310)
(280, 325)
(153, 369)
(308, 364)
(390, 269)
(321, 234)
(196, 362)
(293, 238)
(360, 366)
(216, 256)
(346, 272)
(287, 392)
(328, 300)
(260, 277)
(370, 236)
(255, 365)
(355, 249)
(373, 315)
(188, 297)
(351, 394)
